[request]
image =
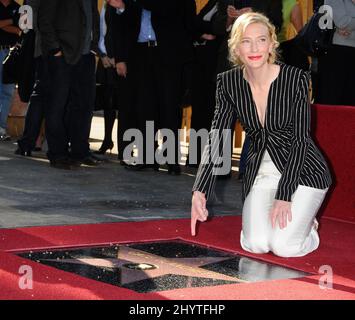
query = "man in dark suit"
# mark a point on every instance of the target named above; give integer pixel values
(69, 31)
(153, 43)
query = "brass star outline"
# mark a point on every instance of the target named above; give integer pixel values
(189, 267)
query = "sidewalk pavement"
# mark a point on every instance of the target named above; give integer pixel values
(34, 194)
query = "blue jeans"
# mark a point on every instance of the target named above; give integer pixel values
(6, 93)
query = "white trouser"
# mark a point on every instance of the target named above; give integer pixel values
(300, 237)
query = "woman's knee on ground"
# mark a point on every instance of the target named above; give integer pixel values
(254, 243)
(283, 248)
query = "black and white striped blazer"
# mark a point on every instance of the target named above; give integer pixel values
(285, 135)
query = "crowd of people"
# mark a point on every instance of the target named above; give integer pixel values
(154, 57)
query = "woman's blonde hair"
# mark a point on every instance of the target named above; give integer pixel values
(238, 30)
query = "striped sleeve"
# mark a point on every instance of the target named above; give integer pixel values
(224, 116)
(300, 141)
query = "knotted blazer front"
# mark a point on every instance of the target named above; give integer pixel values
(285, 135)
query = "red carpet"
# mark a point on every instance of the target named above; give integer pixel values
(336, 250)
(334, 131)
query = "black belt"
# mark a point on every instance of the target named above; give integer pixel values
(149, 44)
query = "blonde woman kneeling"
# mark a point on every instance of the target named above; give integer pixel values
(286, 178)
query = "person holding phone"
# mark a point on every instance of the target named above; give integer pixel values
(230, 10)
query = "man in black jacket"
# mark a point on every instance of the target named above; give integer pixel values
(153, 43)
(69, 31)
